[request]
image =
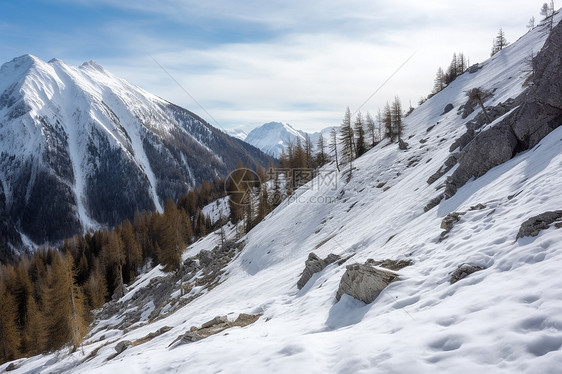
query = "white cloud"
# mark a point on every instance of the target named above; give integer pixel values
(306, 61)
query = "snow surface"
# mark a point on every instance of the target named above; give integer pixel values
(504, 319)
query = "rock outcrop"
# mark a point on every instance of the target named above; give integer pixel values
(539, 112)
(214, 326)
(534, 225)
(364, 282)
(313, 265)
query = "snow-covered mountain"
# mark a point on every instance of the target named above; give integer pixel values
(274, 137)
(503, 317)
(83, 148)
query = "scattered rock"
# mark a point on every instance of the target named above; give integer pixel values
(12, 366)
(313, 265)
(448, 108)
(364, 282)
(534, 225)
(215, 321)
(449, 221)
(390, 264)
(381, 185)
(464, 271)
(214, 326)
(122, 345)
(474, 68)
(402, 145)
(478, 207)
(433, 203)
(246, 319)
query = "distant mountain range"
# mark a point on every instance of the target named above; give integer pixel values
(274, 137)
(81, 148)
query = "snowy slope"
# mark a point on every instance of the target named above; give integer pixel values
(93, 148)
(506, 318)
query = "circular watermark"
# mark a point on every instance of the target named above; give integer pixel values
(241, 185)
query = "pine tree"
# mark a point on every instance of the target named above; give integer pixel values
(132, 252)
(396, 118)
(65, 313)
(334, 146)
(387, 121)
(439, 83)
(547, 10)
(500, 42)
(370, 130)
(347, 141)
(321, 157)
(172, 239)
(359, 131)
(531, 24)
(95, 290)
(308, 152)
(9, 337)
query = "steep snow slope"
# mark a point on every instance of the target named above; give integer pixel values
(82, 148)
(506, 318)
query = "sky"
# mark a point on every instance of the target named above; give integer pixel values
(240, 64)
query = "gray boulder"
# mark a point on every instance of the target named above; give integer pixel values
(313, 265)
(448, 108)
(464, 271)
(534, 225)
(122, 345)
(474, 68)
(402, 145)
(364, 282)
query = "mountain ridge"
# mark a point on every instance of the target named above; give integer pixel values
(100, 147)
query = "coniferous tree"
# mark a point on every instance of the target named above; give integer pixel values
(387, 121)
(321, 157)
(308, 152)
(396, 118)
(95, 290)
(547, 10)
(334, 146)
(531, 24)
(500, 42)
(65, 314)
(370, 130)
(9, 337)
(439, 81)
(172, 241)
(347, 141)
(132, 252)
(359, 130)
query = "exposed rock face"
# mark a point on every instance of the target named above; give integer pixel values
(534, 225)
(390, 264)
(364, 282)
(464, 271)
(539, 112)
(313, 265)
(490, 148)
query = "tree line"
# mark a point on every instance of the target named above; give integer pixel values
(47, 297)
